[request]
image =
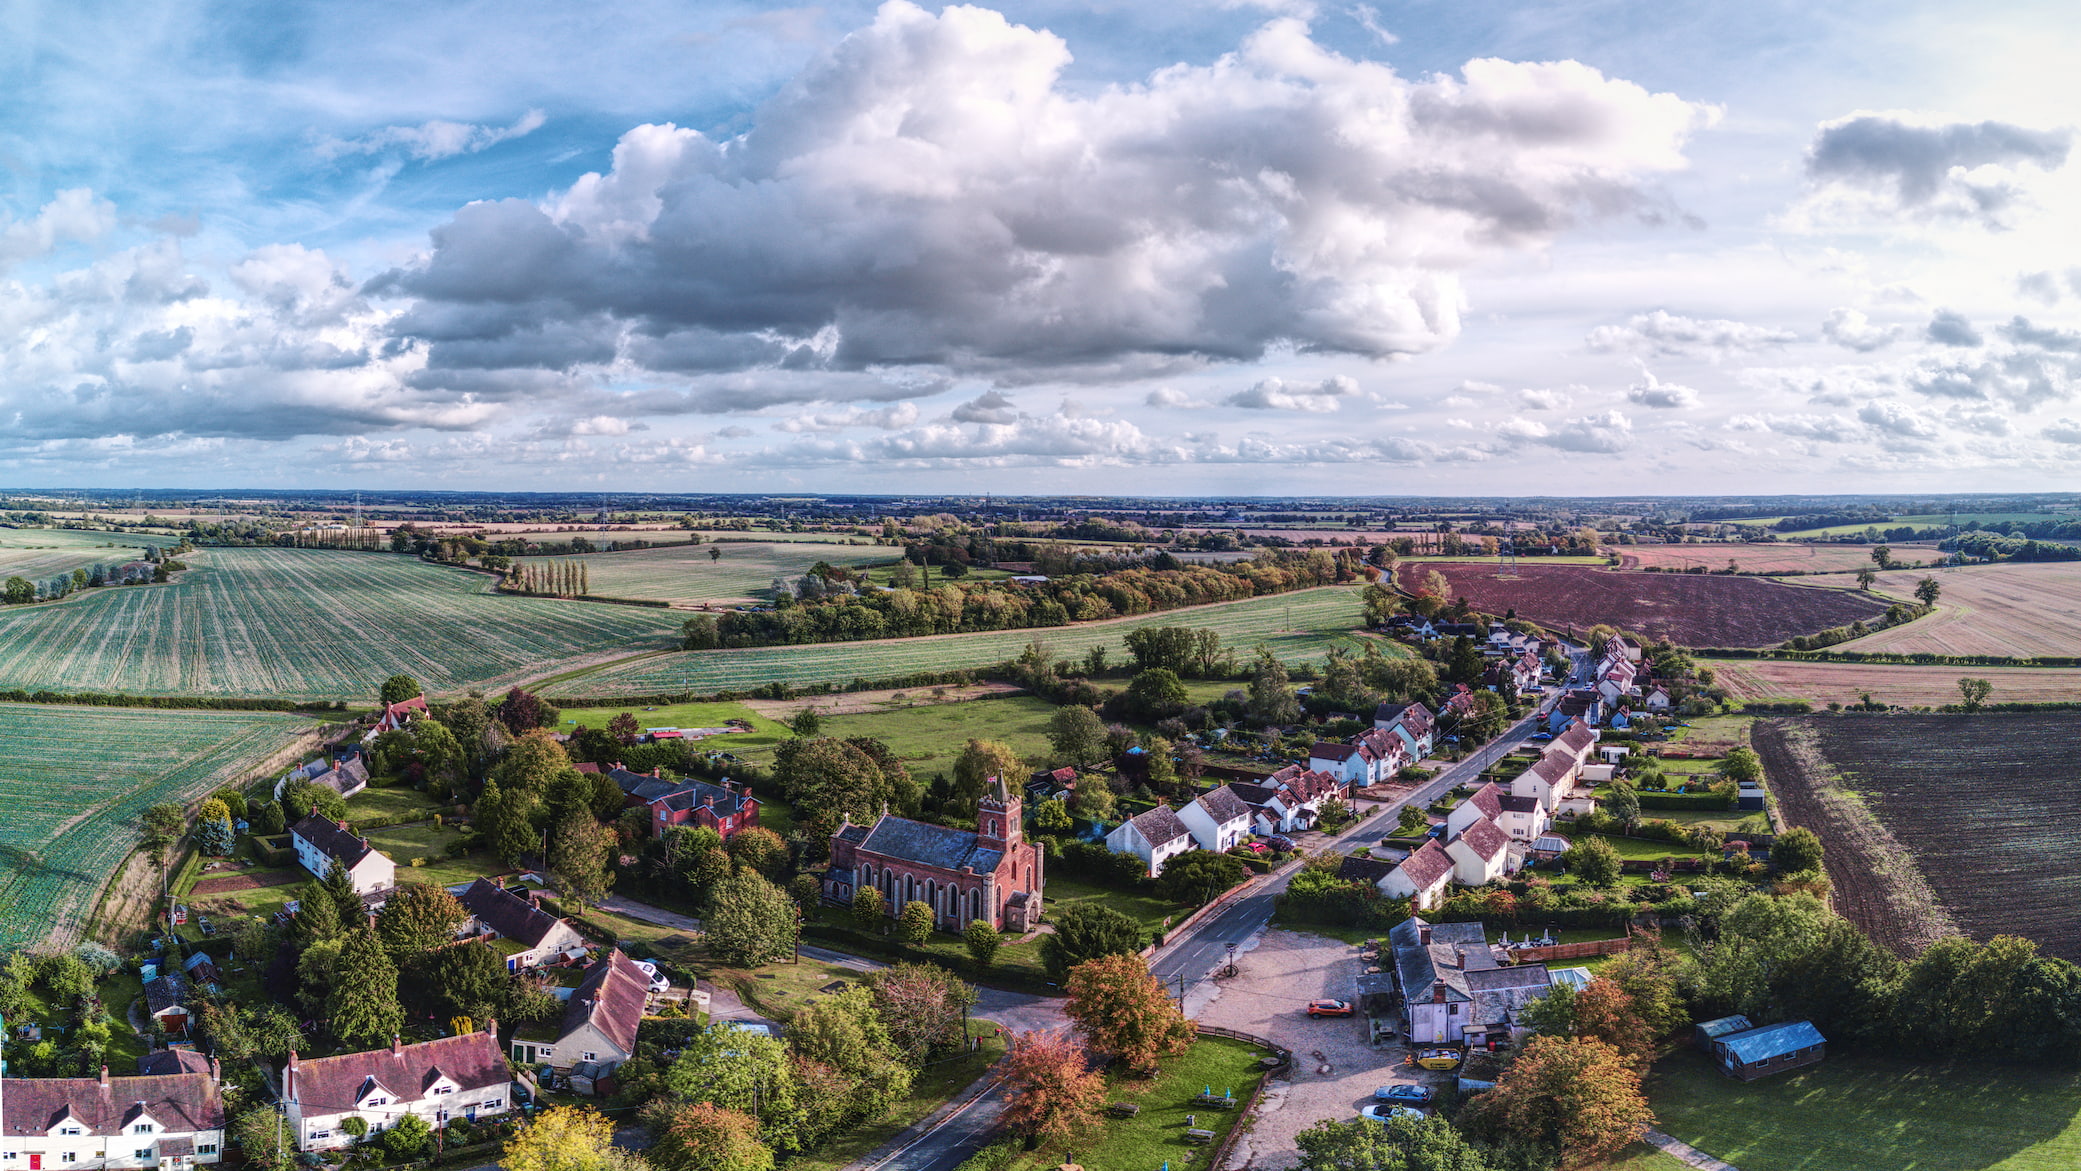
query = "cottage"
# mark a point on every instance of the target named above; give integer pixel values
(1485, 804)
(1342, 761)
(320, 842)
(725, 808)
(1218, 819)
(1656, 700)
(1421, 878)
(438, 1081)
(992, 874)
(396, 716)
(172, 1121)
(1411, 722)
(1454, 990)
(533, 936)
(599, 1022)
(1155, 837)
(1770, 1049)
(1480, 854)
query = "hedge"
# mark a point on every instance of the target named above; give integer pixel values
(172, 702)
(1684, 801)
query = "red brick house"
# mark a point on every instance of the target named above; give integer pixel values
(992, 874)
(724, 808)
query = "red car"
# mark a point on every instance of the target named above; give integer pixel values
(1323, 1008)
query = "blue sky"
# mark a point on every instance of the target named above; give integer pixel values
(1256, 248)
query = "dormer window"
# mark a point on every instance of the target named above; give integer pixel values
(142, 1128)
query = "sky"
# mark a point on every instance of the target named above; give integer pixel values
(1278, 248)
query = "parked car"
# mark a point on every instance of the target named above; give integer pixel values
(1384, 1113)
(1281, 843)
(1542, 735)
(1436, 831)
(658, 982)
(1323, 1008)
(1438, 1058)
(1257, 847)
(1409, 1095)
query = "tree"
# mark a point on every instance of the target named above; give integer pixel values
(213, 832)
(20, 590)
(1053, 817)
(1974, 692)
(701, 632)
(1865, 578)
(417, 918)
(1076, 734)
(1605, 1012)
(1196, 876)
(1050, 1095)
(398, 689)
(1796, 851)
(522, 711)
(506, 822)
(828, 781)
(1157, 694)
(842, 1034)
(1380, 603)
(263, 1134)
(1271, 698)
(162, 826)
(979, 761)
(869, 908)
(300, 799)
(1123, 1011)
(566, 1138)
(317, 916)
(740, 1071)
(749, 921)
(1093, 800)
(624, 727)
(267, 820)
(408, 1138)
(1398, 1144)
(1927, 590)
(1882, 556)
(1574, 1094)
(362, 1007)
(806, 723)
(1742, 764)
(759, 848)
(922, 1007)
(338, 885)
(581, 853)
(1623, 803)
(1086, 931)
(982, 941)
(1593, 859)
(702, 1136)
(914, 923)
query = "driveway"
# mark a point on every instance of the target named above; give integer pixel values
(645, 913)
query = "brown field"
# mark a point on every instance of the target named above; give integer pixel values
(1767, 558)
(1934, 823)
(2017, 609)
(1689, 609)
(1821, 683)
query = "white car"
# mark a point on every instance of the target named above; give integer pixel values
(1385, 1113)
(658, 983)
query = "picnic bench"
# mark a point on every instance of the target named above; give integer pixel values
(1217, 1101)
(1199, 1137)
(1123, 1109)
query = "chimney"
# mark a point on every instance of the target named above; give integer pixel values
(396, 1046)
(1423, 935)
(1438, 992)
(491, 1025)
(216, 1071)
(104, 1077)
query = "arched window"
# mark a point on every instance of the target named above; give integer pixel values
(975, 904)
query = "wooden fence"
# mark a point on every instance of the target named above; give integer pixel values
(1285, 1058)
(1589, 949)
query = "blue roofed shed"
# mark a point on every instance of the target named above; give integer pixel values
(1708, 1032)
(1770, 1049)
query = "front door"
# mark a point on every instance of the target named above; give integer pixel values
(35, 1162)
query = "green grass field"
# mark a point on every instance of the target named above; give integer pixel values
(929, 736)
(1146, 910)
(75, 780)
(765, 736)
(1296, 626)
(308, 624)
(1855, 1113)
(690, 573)
(1157, 1134)
(40, 554)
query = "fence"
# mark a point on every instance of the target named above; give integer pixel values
(1280, 1053)
(1588, 949)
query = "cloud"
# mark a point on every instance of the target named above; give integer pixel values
(1657, 395)
(1172, 399)
(2050, 286)
(1273, 394)
(1852, 330)
(1913, 166)
(989, 407)
(1662, 332)
(887, 418)
(431, 141)
(1893, 418)
(1545, 400)
(1602, 433)
(929, 194)
(1949, 328)
(77, 215)
(1368, 18)
(2067, 431)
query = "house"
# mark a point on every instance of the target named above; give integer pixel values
(724, 808)
(1454, 991)
(1657, 699)
(1458, 701)
(1411, 721)
(172, 1121)
(533, 936)
(1342, 761)
(992, 874)
(1770, 1049)
(1615, 680)
(1352, 868)
(1575, 741)
(1480, 854)
(176, 1060)
(1485, 804)
(453, 1077)
(1303, 792)
(1155, 837)
(1383, 753)
(1580, 704)
(1523, 818)
(599, 1022)
(1421, 877)
(1218, 819)
(320, 842)
(1549, 779)
(1705, 1034)
(396, 716)
(166, 998)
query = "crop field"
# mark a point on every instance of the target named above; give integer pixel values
(1300, 625)
(1766, 558)
(74, 782)
(308, 624)
(1693, 610)
(688, 573)
(2021, 609)
(1905, 686)
(38, 554)
(1932, 822)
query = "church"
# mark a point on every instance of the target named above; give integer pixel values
(992, 874)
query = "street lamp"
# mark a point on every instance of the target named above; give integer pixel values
(1231, 959)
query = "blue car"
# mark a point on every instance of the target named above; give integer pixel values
(1404, 1095)
(1437, 831)
(1542, 735)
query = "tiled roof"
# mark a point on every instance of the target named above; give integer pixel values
(345, 777)
(161, 1062)
(1485, 839)
(1413, 715)
(611, 998)
(696, 794)
(1489, 799)
(1063, 776)
(334, 840)
(1312, 786)
(1159, 826)
(1515, 804)
(1222, 805)
(403, 1073)
(1252, 795)
(1552, 768)
(167, 991)
(1424, 868)
(1575, 739)
(1771, 1041)
(506, 913)
(1353, 867)
(181, 1102)
(1326, 750)
(929, 845)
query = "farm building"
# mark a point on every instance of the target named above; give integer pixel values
(992, 874)
(1770, 1049)
(1710, 1031)
(167, 1120)
(166, 997)
(450, 1078)
(320, 842)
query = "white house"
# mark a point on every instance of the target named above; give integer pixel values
(598, 1029)
(535, 937)
(1342, 761)
(396, 716)
(1523, 818)
(1411, 721)
(1384, 754)
(1480, 855)
(1657, 699)
(320, 842)
(1155, 837)
(1549, 779)
(1422, 877)
(168, 1121)
(1576, 741)
(453, 1077)
(1218, 819)
(1485, 804)
(1454, 990)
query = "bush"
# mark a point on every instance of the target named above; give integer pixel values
(1197, 876)
(1092, 862)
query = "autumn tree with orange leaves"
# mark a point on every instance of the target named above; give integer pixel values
(1123, 1011)
(1050, 1091)
(1578, 1095)
(1605, 1012)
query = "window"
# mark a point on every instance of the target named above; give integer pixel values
(588, 1055)
(141, 1128)
(143, 1153)
(377, 1101)
(68, 1130)
(318, 1134)
(494, 1103)
(206, 1148)
(439, 1090)
(69, 1156)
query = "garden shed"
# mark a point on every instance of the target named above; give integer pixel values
(1705, 1034)
(1770, 1049)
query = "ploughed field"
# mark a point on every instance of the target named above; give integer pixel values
(1300, 625)
(688, 573)
(1766, 558)
(308, 624)
(74, 782)
(1978, 810)
(2018, 609)
(1689, 609)
(1905, 686)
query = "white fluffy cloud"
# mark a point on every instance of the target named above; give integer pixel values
(1663, 332)
(1655, 394)
(1921, 167)
(1852, 330)
(1273, 394)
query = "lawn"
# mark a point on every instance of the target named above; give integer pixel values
(43, 554)
(934, 1085)
(396, 801)
(1015, 961)
(1855, 1113)
(778, 991)
(1634, 849)
(1148, 911)
(691, 573)
(1157, 1134)
(761, 740)
(404, 843)
(928, 736)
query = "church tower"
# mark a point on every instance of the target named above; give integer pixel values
(997, 818)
